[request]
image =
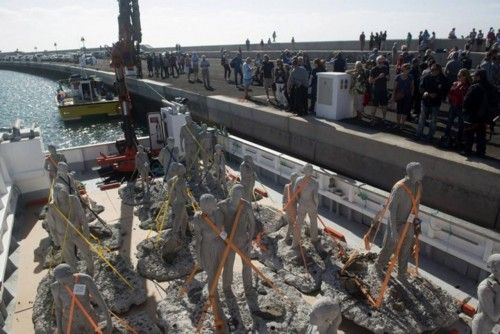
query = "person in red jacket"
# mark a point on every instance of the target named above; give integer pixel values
(456, 100)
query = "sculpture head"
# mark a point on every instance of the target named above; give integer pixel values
(170, 142)
(63, 273)
(208, 203)
(218, 148)
(293, 177)
(415, 172)
(236, 193)
(493, 263)
(248, 159)
(52, 149)
(324, 311)
(204, 127)
(308, 170)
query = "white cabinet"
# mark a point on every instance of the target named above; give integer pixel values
(333, 99)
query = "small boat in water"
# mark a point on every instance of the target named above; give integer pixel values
(79, 97)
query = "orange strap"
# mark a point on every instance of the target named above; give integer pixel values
(302, 185)
(74, 300)
(415, 200)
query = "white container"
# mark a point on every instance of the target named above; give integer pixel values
(333, 99)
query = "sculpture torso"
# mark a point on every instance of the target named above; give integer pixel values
(308, 188)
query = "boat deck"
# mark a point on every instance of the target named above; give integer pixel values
(28, 232)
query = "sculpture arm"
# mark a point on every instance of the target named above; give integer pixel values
(393, 210)
(251, 222)
(97, 298)
(57, 307)
(316, 194)
(197, 237)
(486, 297)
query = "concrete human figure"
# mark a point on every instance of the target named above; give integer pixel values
(178, 195)
(219, 166)
(143, 167)
(81, 316)
(51, 162)
(403, 207)
(206, 141)
(291, 211)
(189, 144)
(243, 235)
(64, 235)
(488, 294)
(167, 156)
(209, 245)
(65, 178)
(247, 175)
(307, 189)
(325, 317)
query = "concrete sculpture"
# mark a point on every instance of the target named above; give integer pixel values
(247, 174)
(143, 167)
(307, 188)
(243, 235)
(167, 156)
(325, 317)
(488, 294)
(206, 141)
(189, 144)
(291, 211)
(219, 165)
(403, 207)
(65, 178)
(178, 195)
(209, 246)
(51, 162)
(74, 297)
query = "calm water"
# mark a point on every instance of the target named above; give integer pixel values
(31, 98)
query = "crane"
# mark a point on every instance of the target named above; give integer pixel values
(125, 60)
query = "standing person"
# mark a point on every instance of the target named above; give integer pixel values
(408, 41)
(149, 62)
(274, 36)
(297, 88)
(189, 67)
(432, 41)
(490, 66)
(237, 63)
(362, 38)
(480, 40)
(456, 99)
(166, 65)
(205, 74)
(339, 63)
(247, 43)
(403, 58)
(371, 43)
(432, 86)
(452, 67)
(293, 42)
(415, 73)
(268, 73)
(280, 80)
(269, 43)
(403, 93)
(247, 76)
(156, 64)
(490, 39)
(480, 104)
(225, 65)
(420, 38)
(162, 66)
(306, 62)
(261, 44)
(182, 62)
(319, 67)
(359, 87)
(379, 76)
(472, 37)
(452, 34)
(172, 61)
(394, 53)
(377, 40)
(195, 63)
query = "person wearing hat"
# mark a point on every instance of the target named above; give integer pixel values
(74, 297)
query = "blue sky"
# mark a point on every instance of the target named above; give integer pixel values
(28, 23)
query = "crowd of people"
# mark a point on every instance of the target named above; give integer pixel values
(420, 88)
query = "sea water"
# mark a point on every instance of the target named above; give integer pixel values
(32, 99)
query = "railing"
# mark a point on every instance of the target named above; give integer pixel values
(466, 241)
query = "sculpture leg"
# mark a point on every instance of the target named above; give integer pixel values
(404, 255)
(313, 219)
(210, 270)
(68, 253)
(86, 254)
(301, 216)
(388, 246)
(482, 324)
(291, 217)
(227, 274)
(246, 273)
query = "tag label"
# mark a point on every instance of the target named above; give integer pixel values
(223, 235)
(411, 218)
(79, 289)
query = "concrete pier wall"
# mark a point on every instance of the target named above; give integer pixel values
(466, 189)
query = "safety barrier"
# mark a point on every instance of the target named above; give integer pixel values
(468, 242)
